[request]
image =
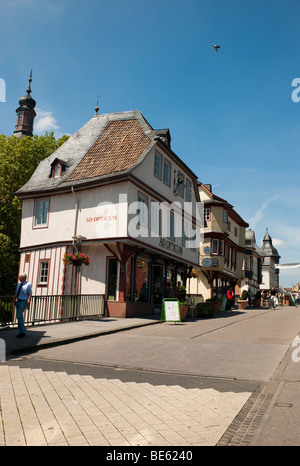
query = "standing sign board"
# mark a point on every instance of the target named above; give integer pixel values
(224, 303)
(170, 310)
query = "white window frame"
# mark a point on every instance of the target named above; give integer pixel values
(180, 186)
(143, 210)
(215, 246)
(225, 216)
(41, 214)
(43, 272)
(57, 169)
(188, 190)
(167, 172)
(171, 225)
(155, 219)
(222, 251)
(158, 165)
(207, 213)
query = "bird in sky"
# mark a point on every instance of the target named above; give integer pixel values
(216, 47)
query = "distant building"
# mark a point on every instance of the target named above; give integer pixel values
(221, 256)
(296, 287)
(252, 265)
(25, 114)
(270, 275)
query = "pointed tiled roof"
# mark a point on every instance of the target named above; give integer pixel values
(267, 246)
(106, 145)
(118, 148)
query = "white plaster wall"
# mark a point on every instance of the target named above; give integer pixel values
(99, 216)
(93, 276)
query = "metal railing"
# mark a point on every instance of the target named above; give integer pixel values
(52, 308)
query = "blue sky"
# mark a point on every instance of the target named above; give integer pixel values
(231, 114)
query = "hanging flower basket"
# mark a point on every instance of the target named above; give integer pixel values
(193, 273)
(76, 259)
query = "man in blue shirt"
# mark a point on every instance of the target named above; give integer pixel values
(22, 301)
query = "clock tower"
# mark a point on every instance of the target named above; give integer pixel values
(25, 113)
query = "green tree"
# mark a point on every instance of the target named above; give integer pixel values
(18, 160)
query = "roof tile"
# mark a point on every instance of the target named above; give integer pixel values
(118, 148)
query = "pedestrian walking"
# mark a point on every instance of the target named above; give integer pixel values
(22, 300)
(230, 296)
(282, 299)
(273, 298)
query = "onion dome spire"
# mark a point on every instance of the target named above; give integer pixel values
(25, 113)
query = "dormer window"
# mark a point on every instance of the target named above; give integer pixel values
(57, 169)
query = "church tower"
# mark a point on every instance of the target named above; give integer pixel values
(25, 113)
(269, 271)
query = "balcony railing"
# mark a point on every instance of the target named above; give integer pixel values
(54, 308)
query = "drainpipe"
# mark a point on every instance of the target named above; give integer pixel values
(75, 286)
(76, 216)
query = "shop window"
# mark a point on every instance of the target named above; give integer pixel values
(142, 280)
(157, 284)
(112, 273)
(128, 279)
(170, 283)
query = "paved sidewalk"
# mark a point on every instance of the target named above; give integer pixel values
(44, 407)
(47, 407)
(39, 336)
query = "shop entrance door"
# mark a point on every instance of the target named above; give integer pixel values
(157, 284)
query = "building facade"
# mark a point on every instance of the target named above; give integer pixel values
(270, 274)
(221, 255)
(117, 192)
(252, 266)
